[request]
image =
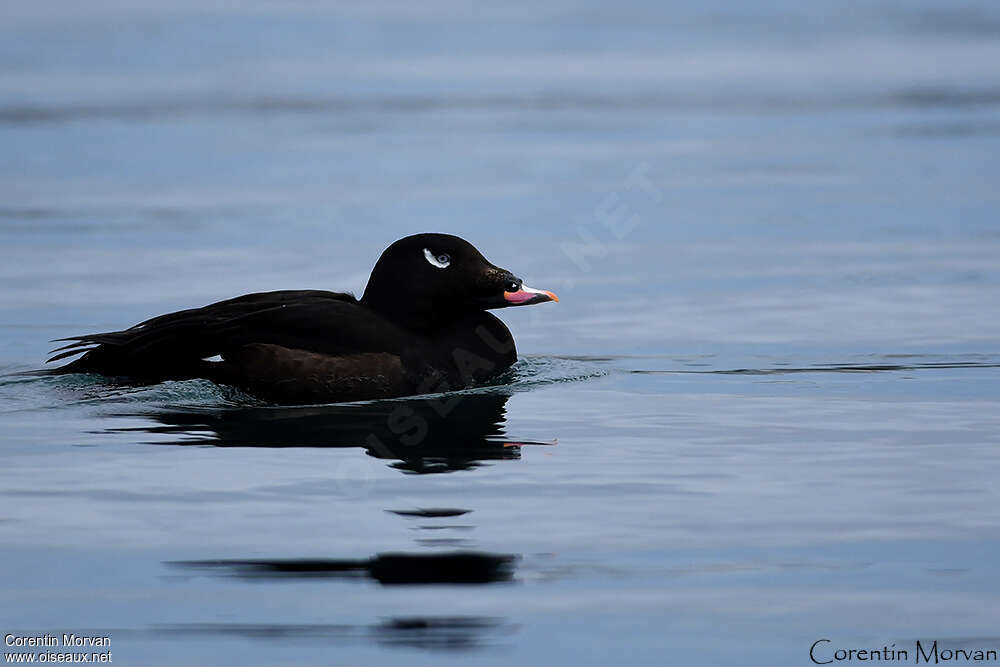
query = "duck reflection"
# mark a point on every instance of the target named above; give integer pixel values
(461, 567)
(431, 633)
(421, 435)
(442, 433)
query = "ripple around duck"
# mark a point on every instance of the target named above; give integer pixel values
(871, 364)
(541, 370)
(35, 392)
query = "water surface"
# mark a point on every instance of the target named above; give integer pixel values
(765, 411)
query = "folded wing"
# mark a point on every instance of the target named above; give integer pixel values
(177, 345)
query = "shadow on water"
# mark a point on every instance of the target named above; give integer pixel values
(432, 434)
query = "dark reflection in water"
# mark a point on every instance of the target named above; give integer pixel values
(462, 567)
(436, 633)
(451, 633)
(426, 435)
(430, 512)
(906, 97)
(824, 368)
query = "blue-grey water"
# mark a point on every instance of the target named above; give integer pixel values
(765, 412)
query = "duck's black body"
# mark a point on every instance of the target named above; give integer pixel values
(420, 327)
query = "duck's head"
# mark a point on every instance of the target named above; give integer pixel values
(427, 278)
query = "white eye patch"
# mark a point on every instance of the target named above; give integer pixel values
(440, 260)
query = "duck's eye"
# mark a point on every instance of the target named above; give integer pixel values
(512, 286)
(441, 260)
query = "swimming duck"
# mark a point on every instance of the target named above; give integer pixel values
(421, 326)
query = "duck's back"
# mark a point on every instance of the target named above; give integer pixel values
(176, 345)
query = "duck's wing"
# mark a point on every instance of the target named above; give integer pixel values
(294, 376)
(177, 345)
